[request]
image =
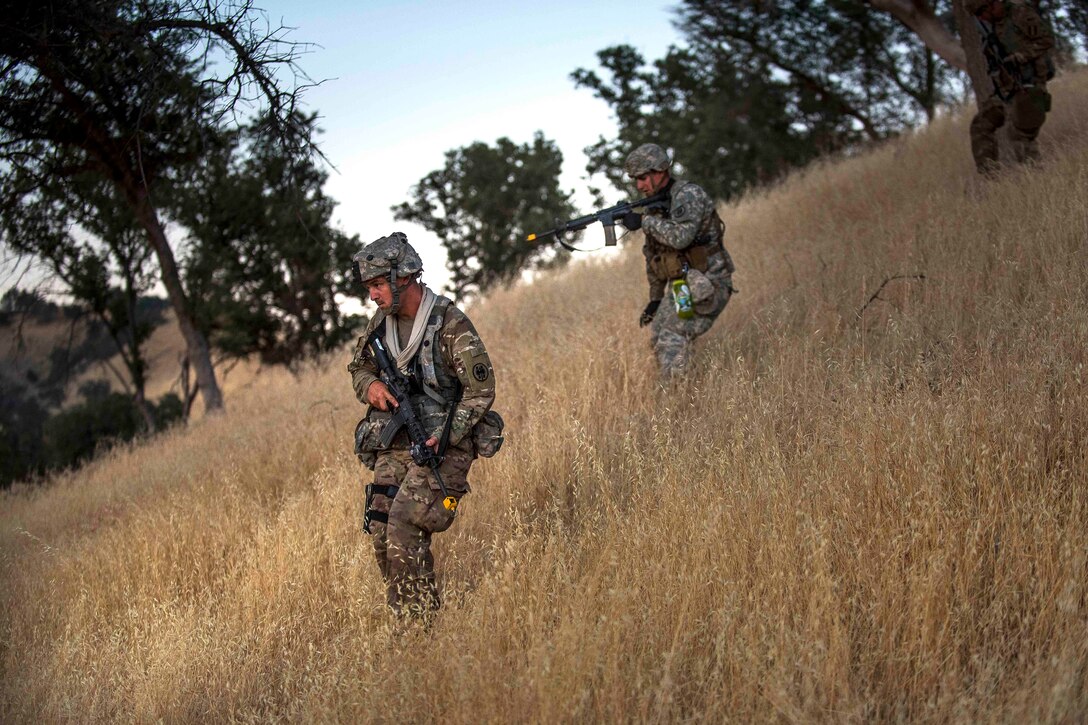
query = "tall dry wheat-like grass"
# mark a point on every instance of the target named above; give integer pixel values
(858, 508)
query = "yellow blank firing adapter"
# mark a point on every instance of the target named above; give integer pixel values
(532, 238)
(450, 503)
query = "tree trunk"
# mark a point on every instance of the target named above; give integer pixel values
(145, 410)
(972, 47)
(199, 354)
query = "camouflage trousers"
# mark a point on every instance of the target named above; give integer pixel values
(1026, 112)
(671, 336)
(402, 546)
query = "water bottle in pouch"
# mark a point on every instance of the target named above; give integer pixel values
(681, 295)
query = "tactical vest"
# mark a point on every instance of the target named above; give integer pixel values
(1003, 37)
(668, 263)
(434, 390)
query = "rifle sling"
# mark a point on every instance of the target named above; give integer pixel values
(442, 444)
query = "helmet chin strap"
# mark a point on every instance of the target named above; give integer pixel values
(395, 307)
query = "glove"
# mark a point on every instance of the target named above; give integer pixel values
(648, 313)
(1017, 58)
(632, 220)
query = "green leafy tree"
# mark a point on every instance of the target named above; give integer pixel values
(483, 204)
(728, 125)
(22, 417)
(128, 91)
(765, 86)
(266, 268)
(76, 434)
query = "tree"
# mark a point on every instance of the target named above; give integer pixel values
(857, 61)
(266, 268)
(1069, 19)
(89, 240)
(764, 86)
(483, 204)
(128, 91)
(730, 126)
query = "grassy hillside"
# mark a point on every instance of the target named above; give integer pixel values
(859, 508)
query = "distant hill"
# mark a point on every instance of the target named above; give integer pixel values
(50, 352)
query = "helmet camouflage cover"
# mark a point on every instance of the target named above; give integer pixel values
(647, 157)
(390, 256)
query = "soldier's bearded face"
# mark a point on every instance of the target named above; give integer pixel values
(651, 182)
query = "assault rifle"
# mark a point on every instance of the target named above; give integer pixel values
(607, 217)
(997, 60)
(406, 417)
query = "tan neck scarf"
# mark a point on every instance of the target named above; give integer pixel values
(404, 355)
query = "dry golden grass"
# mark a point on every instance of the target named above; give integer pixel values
(842, 518)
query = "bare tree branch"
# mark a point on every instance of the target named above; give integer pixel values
(918, 16)
(876, 295)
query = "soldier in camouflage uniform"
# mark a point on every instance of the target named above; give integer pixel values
(452, 386)
(686, 240)
(1017, 44)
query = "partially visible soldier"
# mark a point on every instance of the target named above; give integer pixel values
(451, 388)
(683, 242)
(1017, 45)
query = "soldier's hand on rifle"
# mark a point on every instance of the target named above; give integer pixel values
(648, 313)
(432, 442)
(631, 220)
(379, 396)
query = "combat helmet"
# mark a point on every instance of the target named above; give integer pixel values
(973, 7)
(646, 158)
(390, 257)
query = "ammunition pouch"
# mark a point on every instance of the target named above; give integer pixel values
(698, 256)
(487, 437)
(667, 263)
(368, 436)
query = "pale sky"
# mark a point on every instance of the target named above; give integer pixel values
(410, 80)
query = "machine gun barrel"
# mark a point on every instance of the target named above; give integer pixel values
(607, 218)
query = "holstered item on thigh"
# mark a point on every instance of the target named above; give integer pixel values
(379, 499)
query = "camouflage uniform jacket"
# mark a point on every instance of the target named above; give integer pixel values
(1023, 32)
(688, 232)
(451, 360)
